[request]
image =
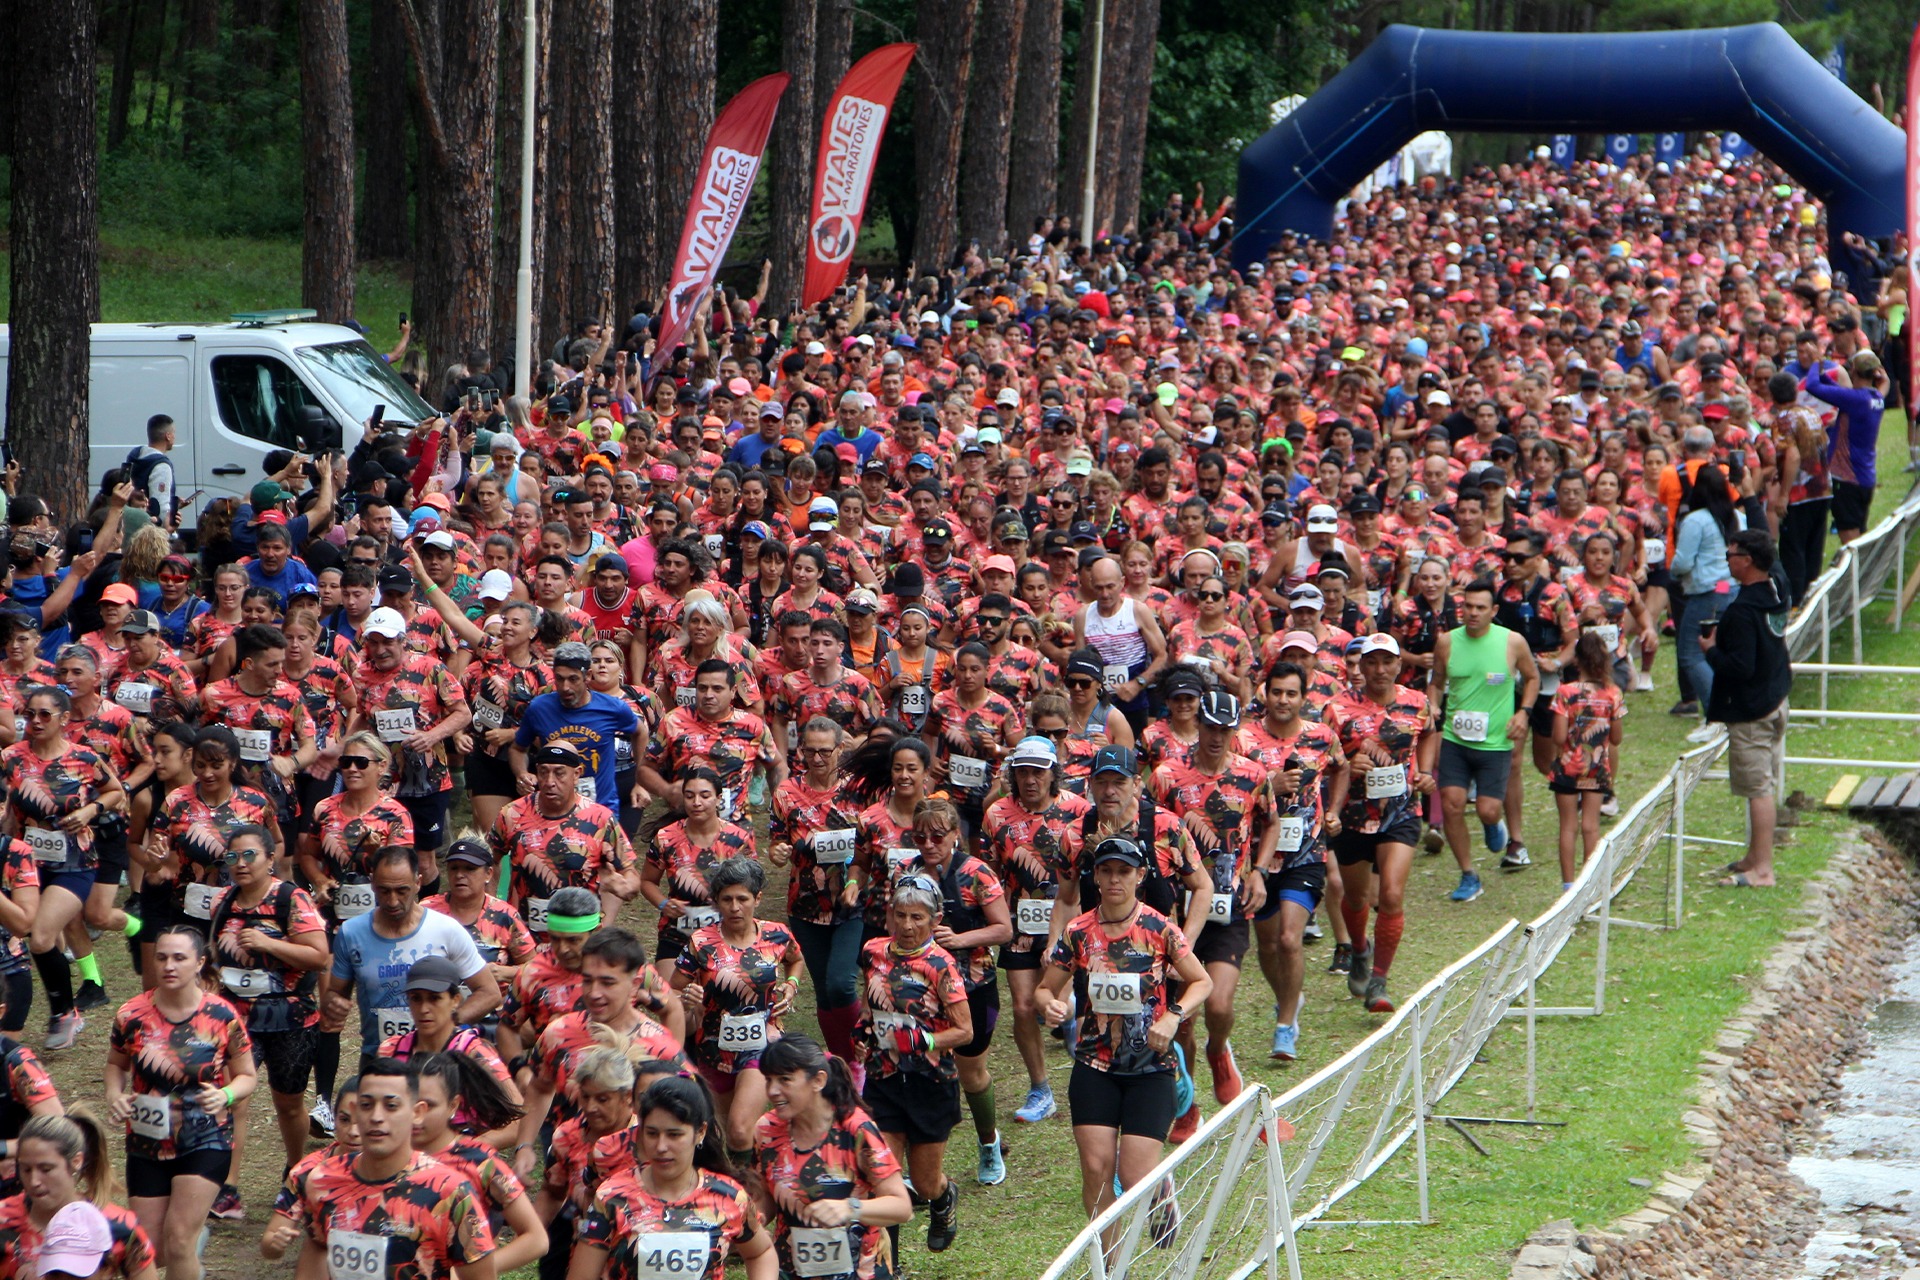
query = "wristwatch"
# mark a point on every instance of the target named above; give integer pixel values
(1173, 1007)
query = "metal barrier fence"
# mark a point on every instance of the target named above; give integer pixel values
(1241, 1188)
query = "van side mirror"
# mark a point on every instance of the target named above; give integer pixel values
(318, 429)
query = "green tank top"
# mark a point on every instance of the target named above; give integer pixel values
(1480, 690)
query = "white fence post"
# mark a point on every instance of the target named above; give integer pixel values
(1532, 1020)
(1279, 1202)
(1859, 607)
(1679, 828)
(1420, 1107)
(1606, 919)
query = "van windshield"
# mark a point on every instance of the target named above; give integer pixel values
(357, 378)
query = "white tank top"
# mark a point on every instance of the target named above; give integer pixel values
(1118, 638)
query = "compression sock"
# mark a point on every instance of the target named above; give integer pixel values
(89, 967)
(1353, 909)
(981, 1106)
(836, 1027)
(134, 924)
(57, 978)
(1386, 940)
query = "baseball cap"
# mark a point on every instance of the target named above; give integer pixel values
(1275, 513)
(757, 529)
(120, 593)
(1116, 760)
(1008, 397)
(140, 622)
(472, 853)
(1322, 518)
(816, 348)
(738, 387)
(384, 622)
(614, 561)
(1035, 752)
(846, 452)
(495, 584)
(1439, 397)
(266, 493)
(1503, 444)
(439, 539)
(998, 564)
(773, 409)
(433, 973)
(1363, 504)
(1306, 596)
(1219, 709)
(921, 460)
(76, 1240)
(1118, 848)
(1183, 680)
(1079, 465)
(937, 531)
(559, 751)
(988, 435)
(1299, 640)
(396, 579)
(875, 466)
(1379, 642)
(1083, 531)
(862, 600)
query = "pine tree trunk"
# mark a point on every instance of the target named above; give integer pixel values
(120, 101)
(1033, 179)
(581, 229)
(795, 138)
(506, 238)
(55, 246)
(199, 34)
(456, 45)
(636, 196)
(996, 64)
(555, 312)
(945, 35)
(689, 49)
(1117, 85)
(383, 225)
(833, 54)
(326, 135)
(1131, 152)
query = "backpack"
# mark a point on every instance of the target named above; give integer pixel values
(142, 462)
(283, 891)
(1158, 890)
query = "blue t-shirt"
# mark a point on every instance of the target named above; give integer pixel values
(748, 450)
(866, 442)
(378, 967)
(173, 626)
(292, 574)
(592, 730)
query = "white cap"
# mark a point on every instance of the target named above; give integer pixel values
(384, 622)
(1009, 397)
(440, 539)
(1379, 642)
(1439, 397)
(495, 585)
(1036, 752)
(816, 348)
(1306, 596)
(929, 317)
(1322, 518)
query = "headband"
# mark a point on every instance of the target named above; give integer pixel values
(557, 923)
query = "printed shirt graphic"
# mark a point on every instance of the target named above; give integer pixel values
(1586, 762)
(325, 691)
(282, 978)
(684, 865)
(731, 748)
(813, 887)
(425, 687)
(917, 987)
(281, 711)
(1612, 596)
(980, 732)
(17, 872)
(967, 886)
(578, 849)
(849, 702)
(1228, 801)
(24, 1085)
(1150, 948)
(628, 1221)
(44, 791)
(1318, 752)
(851, 1161)
(1398, 727)
(498, 932)
(173, 1060)
(114, 734)
(570, 1172)
(129, 1253)
(430, 1214)
(1033, 852)
(736, 980)
(499, 691)
(349, 840)
(196, 835)
(569, 1038)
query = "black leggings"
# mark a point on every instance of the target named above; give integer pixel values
(1803, 544)
(19, 1000)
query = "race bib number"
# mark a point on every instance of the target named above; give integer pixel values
(886, 1022)
(743, 1032)
(388, 1023)
(833, 847)
(696, 917)
(587, 789)
(793, 737)
(898, 858)
(1293, 833)
(914, 700)
(1549, 683)
(1114, 674)
(393, 724)
(683, 696)
(356, 1255)
(1114, 993)
(19, 728)
(246, 984)
(350, 900)
(1033, 916)
(716, 545)
(537, 914)
(968, 772)
(1656, 551)
(1374, 596)
(152, 1117)
(488, 715)
(200, 901)
(1470, 726)
(137, 698)
(1220, 908)
(1609, 634)
(671, 1255)
(820, 1251)
(1384, 784)
(255, 744)
(47, 844)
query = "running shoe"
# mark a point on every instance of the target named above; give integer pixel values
(1610, 807)
(1643, 682)
(1377, 1001)
(1038, 1106)
(320, 1120)
(1684, 710)
(1433, 841)
(1286, 1042)
(1358, 970)
(1496, 836)
(943, 1218)
(1310, 931)
(1704, 733)
(1468, 889)
(1185, 1126)
(227, 1206)
(90, 996)
(1226, 1075)
(63, 1031)
(1516, 858)
(1342, 957)
(993, 1165)
(1163, 1220)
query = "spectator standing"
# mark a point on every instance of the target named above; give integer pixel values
(1752, 676)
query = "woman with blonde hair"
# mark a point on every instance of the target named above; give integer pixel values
(140, 563)
(62, 1160)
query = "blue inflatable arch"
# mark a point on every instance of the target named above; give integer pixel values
(1753, 80)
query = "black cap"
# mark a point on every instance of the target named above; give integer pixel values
(561, 405)
(559, 752)
(1276, 513)
(1503, 444)
(1116, 760)
(1220, 709)
(470, 853)
(1083, 531)
(909, 580)
(938, 531)
(1119, 848)
(434, 973)
(1055, 541)
(397, 579)
(1182, 680)
(1363, 504)
(139, 622)
(1494, 475)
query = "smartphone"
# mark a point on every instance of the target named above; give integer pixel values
(373, 420)
(403, 319)
(1707, 628)
(192, 498)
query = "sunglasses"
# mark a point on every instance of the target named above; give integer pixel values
(248, 856)
(175, 577)
(932, 837)
(41, 713)
(1079, 682)
(990, 619)
(356, 762)
(1210, 595)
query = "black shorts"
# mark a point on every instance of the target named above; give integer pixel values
(150, 1179)
(1541, 717)
(429, 815)
(1559, 788)
(1851, 502)
(920, 1106)
(157, 909)
(1308, 880)
(1222, 943)
(114, 861)
(984, 1003)
(1486, 771)
(287, 1056)
(308, 792)
(1138, 1106)
(1033, 958)
(491, 775)
(1350, 847)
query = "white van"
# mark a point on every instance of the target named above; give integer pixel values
(236, 391)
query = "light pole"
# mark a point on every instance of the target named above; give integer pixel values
(523, 284)
(1093, 119)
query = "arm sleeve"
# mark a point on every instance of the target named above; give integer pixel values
(1734, 655)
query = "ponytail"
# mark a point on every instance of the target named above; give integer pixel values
(463, 1077)
(792, 1053)
(78, 1133)
(690, 1101)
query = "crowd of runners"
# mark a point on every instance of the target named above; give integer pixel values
(1090, 617)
